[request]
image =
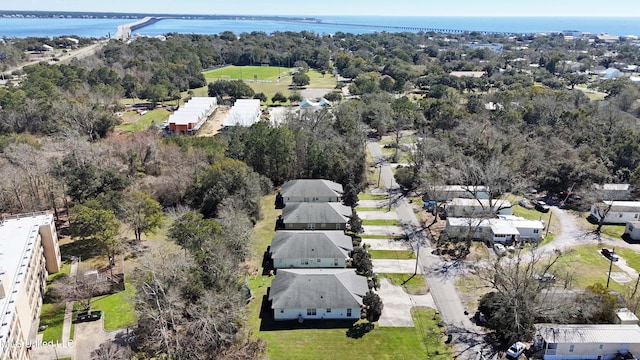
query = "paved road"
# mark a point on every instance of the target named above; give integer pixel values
(468, 338)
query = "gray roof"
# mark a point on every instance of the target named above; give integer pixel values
(311, 244)
(315, 213)
(597, 334)
(612, 187)
(317, 288)
(311, 188)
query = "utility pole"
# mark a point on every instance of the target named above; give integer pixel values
(611, 266)
(548, 223)
(379, 173)
(415, 271)
(636, 288)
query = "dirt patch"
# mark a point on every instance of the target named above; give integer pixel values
(214, 124)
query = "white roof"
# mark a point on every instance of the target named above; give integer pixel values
(500, 224)
(194, 111)
(597, 334)
(623, 204)
(17, 239)
(504, 228)
(620, 187)
(497, 203)
(245, 112)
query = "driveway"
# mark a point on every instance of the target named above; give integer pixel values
(90, 335)
(373, 204)
(468, 339)
(378, 215)
(394, 266)
(398, 304)
(390, 231)
(387, 244)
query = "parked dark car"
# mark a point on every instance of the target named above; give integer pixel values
(609, 254)
(88, 316)
(542, 207)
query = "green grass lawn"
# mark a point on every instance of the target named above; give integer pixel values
(631, 257)
(586, 266)
(328, 81)
(369, 208)
(380, 222)
(613, 231)
(264, 230)
(52, 313)
(247, 72)
(334, 340)
(365, 196)
(117, 308)
(412, 284)
(392, 254)
(153, 117)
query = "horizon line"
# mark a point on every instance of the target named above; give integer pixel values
(321, 15)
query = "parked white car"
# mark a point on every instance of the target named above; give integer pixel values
(516, 350)
(499, 249)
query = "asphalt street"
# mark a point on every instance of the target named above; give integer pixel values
(468, 339)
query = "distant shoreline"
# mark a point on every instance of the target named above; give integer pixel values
(117, 15)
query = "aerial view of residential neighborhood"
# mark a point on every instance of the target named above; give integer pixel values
(243, 187)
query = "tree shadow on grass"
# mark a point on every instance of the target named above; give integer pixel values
(358, 331)
(85, 249)
(269, 324)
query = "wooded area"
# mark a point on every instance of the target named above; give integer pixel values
(514, 128)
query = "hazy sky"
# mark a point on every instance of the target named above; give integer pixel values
(629, 8)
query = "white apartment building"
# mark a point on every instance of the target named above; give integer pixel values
(28, 253)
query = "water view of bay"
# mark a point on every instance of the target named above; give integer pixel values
(23, 27)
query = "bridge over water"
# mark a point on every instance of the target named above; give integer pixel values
(124, 31)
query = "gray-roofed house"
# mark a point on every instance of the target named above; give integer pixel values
(314, 216)
(317, 294)
(310, 249)
(588, 341)
(311, 190)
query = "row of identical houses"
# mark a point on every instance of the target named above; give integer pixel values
(309, 253)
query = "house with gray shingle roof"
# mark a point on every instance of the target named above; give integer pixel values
(317, 294)
(311, 190)
(310, 249)
(314, 216)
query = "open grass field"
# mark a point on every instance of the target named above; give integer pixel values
(270, 79)
(134, 122)
(247, 73)
(412, 284)
(117, 308)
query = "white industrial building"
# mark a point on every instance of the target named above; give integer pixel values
(245, 112)
(192, 115)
